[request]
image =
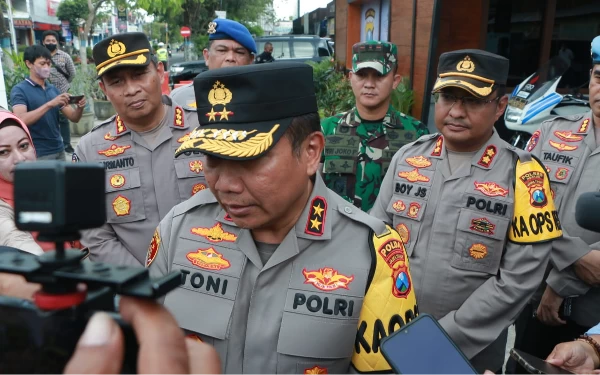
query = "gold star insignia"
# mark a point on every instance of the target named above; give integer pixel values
(224, 114)
(315, 224)
(211, 115)
(318, 210)
(490, 152)
(485, 159)
(437, 149)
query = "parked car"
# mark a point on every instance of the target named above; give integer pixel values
(185, 71)
(296, 47)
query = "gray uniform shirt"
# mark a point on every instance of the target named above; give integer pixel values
(275, 317)
(465, 271)
(567, 146)
(142, 183)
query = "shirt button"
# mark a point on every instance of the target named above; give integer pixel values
(347, 210)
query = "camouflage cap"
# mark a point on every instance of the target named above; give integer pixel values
(381, 56)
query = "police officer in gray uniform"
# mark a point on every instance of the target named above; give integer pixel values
(475, 213)
(570, 304)
(278, 271)
(136, 147)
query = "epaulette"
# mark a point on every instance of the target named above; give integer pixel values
(202, 198)
(575, 117)
(356, 214)
(107, 121)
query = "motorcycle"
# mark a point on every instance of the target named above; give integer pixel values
(535, 100)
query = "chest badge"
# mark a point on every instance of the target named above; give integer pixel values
(196, 166)
(215, 234)
(114, 150)
(121, 206)
(399, 206)
(491, 189)
(478, 251)
(184, 138)
(109, 137)
(208, 259)
(404, 233)
(117, 181)
(327, 279)
(413, 210)
(413, 176)
(419, 162)
(316, 370)
(392, 252)
(483, 225)
(198, 187)
(567, 136)
(562, 147)
(561, 173)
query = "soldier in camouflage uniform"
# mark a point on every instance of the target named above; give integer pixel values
(360, 143)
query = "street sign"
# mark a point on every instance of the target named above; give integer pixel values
(185, 32)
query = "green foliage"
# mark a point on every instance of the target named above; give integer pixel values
(255, 29)
(200, 42)
(403, 97)
(15, 71)
(85, 83)
(73, 11)
(332, 88)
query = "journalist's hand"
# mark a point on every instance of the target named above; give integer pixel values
(162, 345)
(575, 356)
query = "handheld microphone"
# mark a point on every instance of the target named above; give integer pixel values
(587, 211)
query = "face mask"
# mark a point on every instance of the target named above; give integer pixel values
(51, 47)
(43, 73)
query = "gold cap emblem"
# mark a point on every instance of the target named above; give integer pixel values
(115, 48)
(466, 65)
(212, 27)
(219, 95)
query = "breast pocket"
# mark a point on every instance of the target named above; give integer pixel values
(479, 241)
(124, 197)
(320, 318)
(408, 213)
(190, 175)
(560, 175)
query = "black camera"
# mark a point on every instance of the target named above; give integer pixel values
(57, 200)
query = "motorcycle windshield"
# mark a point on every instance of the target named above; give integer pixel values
(536, 86)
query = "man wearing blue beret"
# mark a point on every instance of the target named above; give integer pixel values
(230, 44)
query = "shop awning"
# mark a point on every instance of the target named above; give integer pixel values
(45, 26)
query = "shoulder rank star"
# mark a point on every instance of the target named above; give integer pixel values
(315, 224)
(488, 156)
(178, 120)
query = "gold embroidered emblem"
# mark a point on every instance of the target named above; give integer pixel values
(562, 147)
(229, 142)
(121, 206)
(114, 150)
(120, 126)
(184, 138)
(316, 370)
(413, 176)
(212, 28)
(404, 233)
(198, 187)
(419, 162)
(219, 95)
(153, 249)
(465, 65)
(215, 234)
(478, 251)
(117, 180)
(178, 117)
(115, 48)
(196, 166)
(208, 259)
(109, 137)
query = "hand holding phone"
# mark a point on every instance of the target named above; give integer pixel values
(74, 99)
(423, 347)
(535, 365)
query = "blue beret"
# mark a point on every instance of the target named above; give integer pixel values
(221, 28)
(596, 50)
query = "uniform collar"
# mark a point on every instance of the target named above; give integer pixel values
(487, 155)
(353, 117)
